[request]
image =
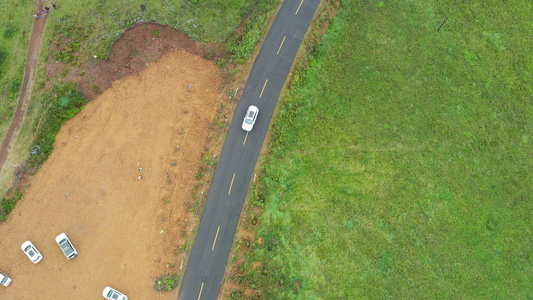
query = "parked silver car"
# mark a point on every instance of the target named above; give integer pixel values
(4, 279)
(66, 245)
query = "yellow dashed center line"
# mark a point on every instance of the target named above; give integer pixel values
(229, 192)
(299, 7)
(245, 138)
(213, 248)
(264, 85)
(200, 295)
(281, 45)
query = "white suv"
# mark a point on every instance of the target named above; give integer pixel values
(66, 245)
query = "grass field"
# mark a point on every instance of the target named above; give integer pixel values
(400, 166)
(15, 29)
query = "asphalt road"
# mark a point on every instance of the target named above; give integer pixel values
(212, 245)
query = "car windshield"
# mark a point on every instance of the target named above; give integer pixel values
(248, 121)
(27, 249)
(65, 246)
(3, 280)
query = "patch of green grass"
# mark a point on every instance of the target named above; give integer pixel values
(80, 34)
(221, 63)
(96, 89)
(8, 203)
(64, 101)
(4, 57)
(134, 50)
(9, 31)
(242, 44)
(400, 166)
(166, 283)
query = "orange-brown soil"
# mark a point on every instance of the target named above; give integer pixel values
(126, 229)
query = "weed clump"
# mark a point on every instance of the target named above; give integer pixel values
(165, 283)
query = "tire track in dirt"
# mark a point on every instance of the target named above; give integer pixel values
(32, 62)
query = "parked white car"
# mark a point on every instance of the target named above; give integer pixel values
(31, 251)
(66, 245)
(4, 279)
(249, 118)
(112, 294)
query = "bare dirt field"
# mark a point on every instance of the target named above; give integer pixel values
(126, 229)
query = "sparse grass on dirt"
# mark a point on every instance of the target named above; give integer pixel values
(241, 44)
(63, 101)
(400, 163)
(88, 29)
(8, 203)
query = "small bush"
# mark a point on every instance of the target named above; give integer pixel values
(237, 295)
(165, 283)
(221, 63)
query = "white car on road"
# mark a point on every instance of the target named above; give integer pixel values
(4, 279)
(31, 251)
(112, 294)
(66, 245)
(249, 118)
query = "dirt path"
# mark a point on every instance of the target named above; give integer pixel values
(32, 62)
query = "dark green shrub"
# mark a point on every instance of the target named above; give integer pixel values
(4, 54)
(14, 86)
(9, 32)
